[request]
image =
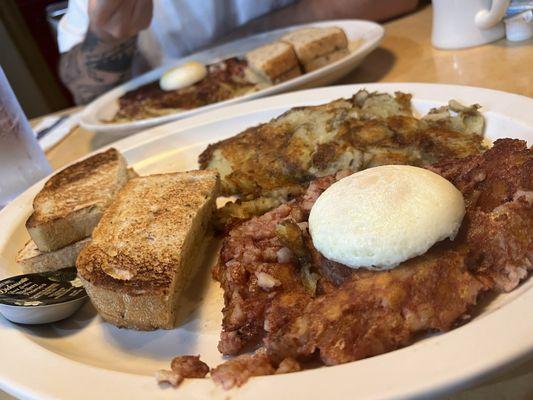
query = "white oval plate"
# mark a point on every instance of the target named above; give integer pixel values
(86, 358)
(104, 107)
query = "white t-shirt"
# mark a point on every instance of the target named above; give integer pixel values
(178, 27)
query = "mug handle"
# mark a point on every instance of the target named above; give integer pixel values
(486, 19)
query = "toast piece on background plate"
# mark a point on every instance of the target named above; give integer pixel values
(274, 62)
(310, 43)
(72, 201)
(324, 60)
(32, 260)
(145, 247)
(292, 73)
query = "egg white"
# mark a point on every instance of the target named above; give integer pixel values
(183, 76)
(382, 216)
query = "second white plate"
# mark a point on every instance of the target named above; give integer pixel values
(104, 107)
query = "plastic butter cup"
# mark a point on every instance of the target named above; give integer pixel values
(32, 315)
(41, 298)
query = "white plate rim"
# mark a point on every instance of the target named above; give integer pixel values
(88, 119)
(511, 345)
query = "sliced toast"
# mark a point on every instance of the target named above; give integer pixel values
(274, 61)
(292, 73)
(32, 260)
(145, 246)
(72, 202)
(310, 43)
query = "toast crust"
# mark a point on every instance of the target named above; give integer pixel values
(72, 201)
(145, 246)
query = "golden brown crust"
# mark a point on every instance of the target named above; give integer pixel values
(55, 200)
(319, 308)
(146, 247)
(304, 143)
(498, 189)
(72, 201)
(138, 244)
(366, 312)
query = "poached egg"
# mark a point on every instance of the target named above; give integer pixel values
(182, 76)
(382, 216)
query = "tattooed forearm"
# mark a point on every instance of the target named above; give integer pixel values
(93, 67)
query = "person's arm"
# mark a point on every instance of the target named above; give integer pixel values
(315, 10)
(103, 60)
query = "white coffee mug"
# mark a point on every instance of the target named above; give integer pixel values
(466, 23)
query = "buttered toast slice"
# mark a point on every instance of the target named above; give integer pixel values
(72, 202)
(145, 245)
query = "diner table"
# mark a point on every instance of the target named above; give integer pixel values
(406, 55)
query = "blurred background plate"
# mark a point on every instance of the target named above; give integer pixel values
(365, 36)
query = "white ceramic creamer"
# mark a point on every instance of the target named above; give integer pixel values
(467, 23)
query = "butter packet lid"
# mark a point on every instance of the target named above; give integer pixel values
(42, 289)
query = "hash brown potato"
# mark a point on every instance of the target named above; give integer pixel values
(270, 163)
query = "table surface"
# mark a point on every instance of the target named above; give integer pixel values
(406, 55)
